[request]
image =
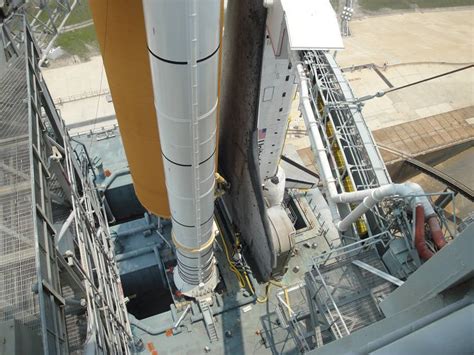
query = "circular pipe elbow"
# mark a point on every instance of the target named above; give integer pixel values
(415, 189)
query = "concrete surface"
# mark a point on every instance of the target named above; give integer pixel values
(443, 36)
(407, 48)
(81, 91)
(427, 134)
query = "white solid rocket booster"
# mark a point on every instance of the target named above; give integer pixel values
(183, 42)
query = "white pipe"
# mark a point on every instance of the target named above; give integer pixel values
(373, 196)
(369, 197)
(321, 155)
(268, 3)
(183, 43)
(65, 227)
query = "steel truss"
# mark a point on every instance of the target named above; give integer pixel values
(46, 19)
(347, 283)
(54, 235)
(359, 165)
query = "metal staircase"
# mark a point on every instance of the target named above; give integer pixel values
(345, 295)
(208, 320)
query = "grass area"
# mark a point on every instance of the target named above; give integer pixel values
(79, 42)
(443, 3)
(80, 13)
(45, 13)
(375, 5)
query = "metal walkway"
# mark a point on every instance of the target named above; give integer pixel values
(346, 296)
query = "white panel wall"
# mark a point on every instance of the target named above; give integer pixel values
(277, 90)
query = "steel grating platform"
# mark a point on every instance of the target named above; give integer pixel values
(346, 295)
(17, 247)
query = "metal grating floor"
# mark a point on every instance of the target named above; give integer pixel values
(17, 247)
(356, 291)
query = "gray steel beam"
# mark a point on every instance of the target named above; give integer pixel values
(451, 334)
(448, 267)
(378, 272)
(390, 330)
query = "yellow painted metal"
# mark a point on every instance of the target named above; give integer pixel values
(320, 105)
(347, 182)
(121, 34)
(338, 156)
(360, 223)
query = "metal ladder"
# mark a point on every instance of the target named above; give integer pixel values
(193, 49)
(208, 320)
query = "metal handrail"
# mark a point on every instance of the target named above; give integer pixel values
(323, 258)
(332, 305)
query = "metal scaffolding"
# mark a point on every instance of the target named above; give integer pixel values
(57, 270)
(354, 157)
(342, 292)
(46, 20)
(347, 282)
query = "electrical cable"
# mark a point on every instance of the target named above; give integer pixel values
(245, 279)
(101, 74)
(383, 93)
(231, 264)
(248, 283)
(430, 78)
(264, 299)
(287, 300)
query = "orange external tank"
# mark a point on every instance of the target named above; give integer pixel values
(121, 34)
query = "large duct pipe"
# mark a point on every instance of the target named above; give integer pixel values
(436, 232)
(183, 41)
(420, 243)
(373, 196)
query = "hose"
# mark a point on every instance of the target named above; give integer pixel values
(436, 232)
(264, 299)
(287, 300)
(232, 267)
(420, 243)
(248, 283)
